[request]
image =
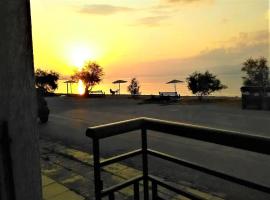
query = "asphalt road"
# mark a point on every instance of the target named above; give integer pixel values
(70, 117)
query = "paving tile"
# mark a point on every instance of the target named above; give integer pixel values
(59, 173)
(77, 167)
(75, 154)
(73, 170)
(129, 173)
(68, 195)
(115, 168)
(46, 180)
(53, 190)
(80, 184)
(204, 195)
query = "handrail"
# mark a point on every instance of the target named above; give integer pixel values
(176, 190)
(120, 157)
(235, 139)
(258, 144)
(206, 170)
(113, 129)
(121, 185)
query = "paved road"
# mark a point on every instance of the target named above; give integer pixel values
(70, 117)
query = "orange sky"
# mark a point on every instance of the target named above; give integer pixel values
(149, 38)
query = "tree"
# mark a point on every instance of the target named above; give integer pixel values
(134, 87)
(203, 84)
(91, 74)
(257, 72)
(46, 81)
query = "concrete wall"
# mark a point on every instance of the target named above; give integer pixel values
(17, 98)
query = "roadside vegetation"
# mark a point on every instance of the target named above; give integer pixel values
(91, 74)
(203, 84)
(134, 87)
(46, 81)
(257, 72)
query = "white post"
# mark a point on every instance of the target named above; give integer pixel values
(119, 88)
(67, 88)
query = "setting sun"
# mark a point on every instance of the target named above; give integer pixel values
(80, 87)
(155, 41)
(80, 54)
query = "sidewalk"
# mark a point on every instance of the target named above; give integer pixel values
(55, 191)
(68, 174)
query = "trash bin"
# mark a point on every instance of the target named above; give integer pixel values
(255, 97)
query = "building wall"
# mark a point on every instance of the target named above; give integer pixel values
(18, 100)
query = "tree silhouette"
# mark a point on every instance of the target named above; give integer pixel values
(46, 81)
(203, 84)
(91, 75)
(257, 72)
(134, 87)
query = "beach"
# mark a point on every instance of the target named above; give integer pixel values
(70, 116)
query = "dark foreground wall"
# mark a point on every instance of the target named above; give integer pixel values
(18, 101)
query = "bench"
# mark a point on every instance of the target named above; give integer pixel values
(169, 96)
(97, 93)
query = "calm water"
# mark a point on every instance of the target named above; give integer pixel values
(153, 85)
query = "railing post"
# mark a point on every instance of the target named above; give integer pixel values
(154, 190)
(111, 196)
(136, 188)
(145, 164)
(96, 157)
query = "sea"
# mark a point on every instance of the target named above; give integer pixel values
(152, 86)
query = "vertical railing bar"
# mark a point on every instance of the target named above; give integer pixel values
(145, 163)
(97, 179)
(111, 196)
(136, 190)
(154, 190)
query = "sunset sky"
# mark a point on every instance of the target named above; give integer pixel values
(153, 40)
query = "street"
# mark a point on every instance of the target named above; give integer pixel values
(70, 117)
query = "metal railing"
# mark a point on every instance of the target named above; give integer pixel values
(237, 140)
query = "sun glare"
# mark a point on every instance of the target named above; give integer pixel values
(80, 87)
(80, 54)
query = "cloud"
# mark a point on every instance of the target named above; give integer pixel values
(259, 36)
(247, 38)
(103, 9)
(151, 21)
(169, 7)
(164, 9)
(183, 1)
(190, 1)
(224, 20)
(224, 61)
(267, 14)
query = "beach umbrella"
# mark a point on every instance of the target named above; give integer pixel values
(174, 82)
(69, 82)
(119, 82)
